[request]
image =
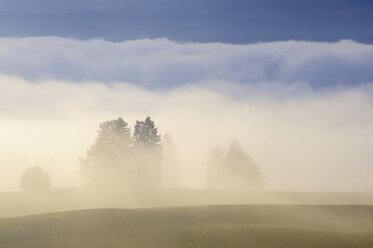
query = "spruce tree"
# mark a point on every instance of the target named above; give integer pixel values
(146, 134)
(148, 162)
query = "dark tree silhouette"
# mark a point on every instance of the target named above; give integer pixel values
(35, 179)
(146, 134)
(108, 160)
(170, 172)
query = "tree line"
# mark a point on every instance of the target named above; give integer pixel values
(141, 159)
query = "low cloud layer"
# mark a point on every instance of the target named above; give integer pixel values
(163, 64)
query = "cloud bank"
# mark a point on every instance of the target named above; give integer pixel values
(163, 64)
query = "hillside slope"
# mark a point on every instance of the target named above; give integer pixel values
(209, 226)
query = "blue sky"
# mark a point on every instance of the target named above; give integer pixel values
(232, 21)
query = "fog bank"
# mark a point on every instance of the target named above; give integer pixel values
(300, 138)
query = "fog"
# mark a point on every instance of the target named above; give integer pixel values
(304, 141)
(278, 122)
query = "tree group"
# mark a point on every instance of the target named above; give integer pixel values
(234, 170)
(120, 158)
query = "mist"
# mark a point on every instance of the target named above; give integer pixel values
(307, 140)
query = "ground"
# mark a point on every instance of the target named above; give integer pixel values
(259, 226)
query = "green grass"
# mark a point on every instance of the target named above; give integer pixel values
(257, 226)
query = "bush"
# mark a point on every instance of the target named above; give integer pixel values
(35, 179)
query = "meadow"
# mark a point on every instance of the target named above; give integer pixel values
(234, 226)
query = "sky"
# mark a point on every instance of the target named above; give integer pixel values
(230, 21)
(290, 80)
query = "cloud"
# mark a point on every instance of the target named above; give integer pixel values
(163, 64)
(303, 139)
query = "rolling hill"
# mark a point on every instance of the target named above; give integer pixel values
(230, 226)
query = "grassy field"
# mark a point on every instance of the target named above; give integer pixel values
(258, 226)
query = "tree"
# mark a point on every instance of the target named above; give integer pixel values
(147, 144)
(108, 160)
(146, 135)
(215, 168)
(170, 173)
(35, 179)
(117, 159)
(235, 170)
(241, 169)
